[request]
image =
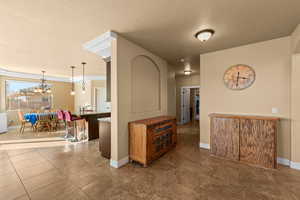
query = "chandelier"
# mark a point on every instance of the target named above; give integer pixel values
(43, 86)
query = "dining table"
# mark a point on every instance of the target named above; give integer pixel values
(34, 117)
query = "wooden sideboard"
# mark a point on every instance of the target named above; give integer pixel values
(249, 139)
(151, 138)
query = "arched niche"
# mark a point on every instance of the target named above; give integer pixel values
(145, 85)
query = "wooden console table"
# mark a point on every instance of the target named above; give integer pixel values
(151, 138)
(249, 139)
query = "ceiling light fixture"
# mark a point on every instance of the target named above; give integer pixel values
(43, 87)
(204, 35)
(83, 79)
(73, 86)
(187, 72)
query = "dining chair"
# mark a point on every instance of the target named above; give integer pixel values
(44, 121)
(23, 121)
(54, 121)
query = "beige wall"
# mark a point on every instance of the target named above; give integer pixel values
(271, 60)
(80, 98)
(123, 54)
(295, 40)
(171, 91)
(97, 84)
(61, 97)
(295, 105)
(145, 85)
(183, 81)
(295, 98)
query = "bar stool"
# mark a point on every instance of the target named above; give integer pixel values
(71, 124)
(61, 117)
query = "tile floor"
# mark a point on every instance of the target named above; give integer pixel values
(186, 173)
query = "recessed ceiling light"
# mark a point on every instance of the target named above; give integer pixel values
(204, 35)
(187, 72)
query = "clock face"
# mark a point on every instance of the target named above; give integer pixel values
(239, 77)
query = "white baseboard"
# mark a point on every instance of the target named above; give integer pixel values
(282, 161)
(204, 146)
(119, 163)
(295, 165)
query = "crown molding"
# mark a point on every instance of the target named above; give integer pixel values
(9, 73)
(101, 45)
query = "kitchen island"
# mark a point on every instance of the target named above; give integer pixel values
(92, 120)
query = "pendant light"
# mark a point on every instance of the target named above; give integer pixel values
(73, 86)
(83, 78)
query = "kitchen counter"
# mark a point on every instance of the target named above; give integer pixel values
(93, 113)
(106, 119)
(93, 125)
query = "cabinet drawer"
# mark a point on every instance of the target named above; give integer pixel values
(157, 129)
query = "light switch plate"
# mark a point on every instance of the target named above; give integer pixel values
(275, 110)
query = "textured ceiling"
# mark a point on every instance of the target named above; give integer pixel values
(48, 34)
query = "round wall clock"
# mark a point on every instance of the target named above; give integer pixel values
(239, 77)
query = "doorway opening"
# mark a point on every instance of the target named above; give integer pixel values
(101, 103)
(190, 105)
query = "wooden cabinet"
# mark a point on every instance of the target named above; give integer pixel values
(151, 138)
(104, 137)
(225, 137)
(249, 139)
(258, 142)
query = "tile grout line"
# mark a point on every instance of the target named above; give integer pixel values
(18, 177)
(64, 174)
(35, 175)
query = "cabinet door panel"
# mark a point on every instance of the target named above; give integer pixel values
(258, 142)
(225, 137)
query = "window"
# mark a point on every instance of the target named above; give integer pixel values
(20, 95)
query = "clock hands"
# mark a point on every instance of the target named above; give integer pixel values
(238, 78)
